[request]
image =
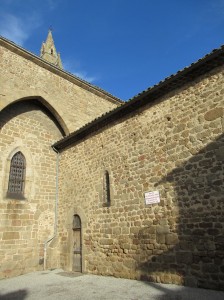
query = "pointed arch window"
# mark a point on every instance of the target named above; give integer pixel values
(16, 182)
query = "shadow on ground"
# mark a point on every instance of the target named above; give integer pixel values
(17, 295)
(173, 292)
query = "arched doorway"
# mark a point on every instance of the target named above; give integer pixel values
(77, 244)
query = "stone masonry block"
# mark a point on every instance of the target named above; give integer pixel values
(184, 257)
(11, 235)
(106, 241)
(172, 239)
(214, 114)
(162, 229)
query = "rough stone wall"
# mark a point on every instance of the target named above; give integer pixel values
(22, 77)
(174, 146)
(26, 224)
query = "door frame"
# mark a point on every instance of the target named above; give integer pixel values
(69, 226)
(77, 231)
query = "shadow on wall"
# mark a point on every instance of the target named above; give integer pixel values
(189, 239)
(17, 295)
(15, 109)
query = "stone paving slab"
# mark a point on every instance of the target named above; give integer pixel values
(57, 284)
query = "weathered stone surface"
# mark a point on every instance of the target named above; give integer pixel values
(160, 238)
(214, 114)
(10, 235)
(179, 239)
(162, 229)
(184, 257)
(75, 105)
(172, 239)
(29, 222)
(52, 102)
(177, 236)
(106, 241)
(220, 153)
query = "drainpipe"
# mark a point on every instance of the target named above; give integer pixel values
(55, 212)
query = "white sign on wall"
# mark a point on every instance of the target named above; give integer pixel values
(152, 197)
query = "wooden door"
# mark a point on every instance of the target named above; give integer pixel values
(77, 245)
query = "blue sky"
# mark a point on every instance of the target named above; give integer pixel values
(122, 46)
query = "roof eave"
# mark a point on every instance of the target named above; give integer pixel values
(202, 66)
(60, 72)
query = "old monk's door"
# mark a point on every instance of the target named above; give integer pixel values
(77, 246)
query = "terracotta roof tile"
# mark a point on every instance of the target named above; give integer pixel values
(184, 76)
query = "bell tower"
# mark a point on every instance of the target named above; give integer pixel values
(49, 53)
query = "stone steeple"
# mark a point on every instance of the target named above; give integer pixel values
(49, 53)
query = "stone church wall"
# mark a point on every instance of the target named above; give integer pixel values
(175, 146)
(39, 103)
(24, 76)
(26, 224)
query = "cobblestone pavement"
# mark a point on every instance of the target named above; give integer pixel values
(57, 284)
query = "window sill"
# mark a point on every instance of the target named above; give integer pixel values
(12, 196)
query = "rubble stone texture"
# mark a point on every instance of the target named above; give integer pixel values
(26, 224)
(39, 104)
(25, 76)
(174, 145)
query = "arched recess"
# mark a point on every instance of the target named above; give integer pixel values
(49, 109)
(75, 211)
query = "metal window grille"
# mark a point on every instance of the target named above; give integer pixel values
(17, 174)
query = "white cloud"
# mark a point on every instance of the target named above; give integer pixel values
(74, 68)
(18, 29)
(83, 75)
(12, 28)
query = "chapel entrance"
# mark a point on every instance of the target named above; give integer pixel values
(77, 244)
